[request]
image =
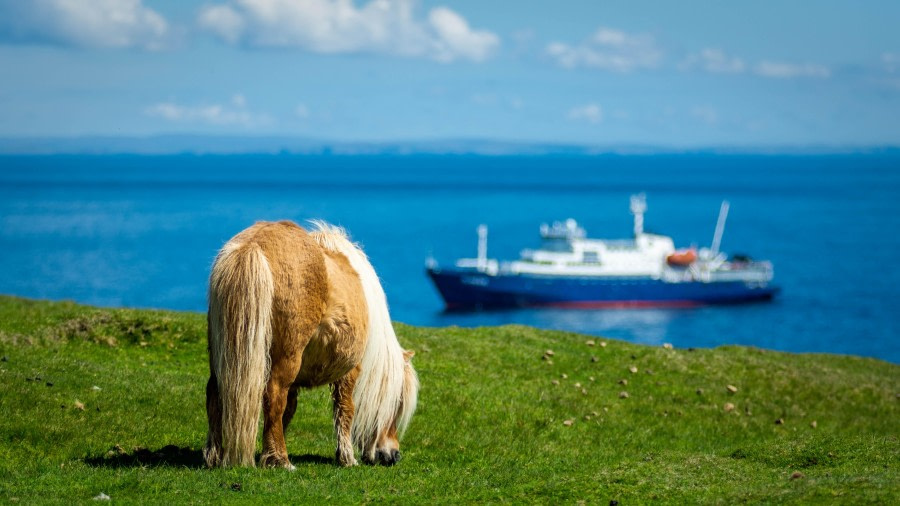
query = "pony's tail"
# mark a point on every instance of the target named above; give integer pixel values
(241, 290)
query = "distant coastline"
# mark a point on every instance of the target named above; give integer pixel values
(227, 145)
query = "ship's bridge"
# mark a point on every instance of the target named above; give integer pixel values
(566, 251)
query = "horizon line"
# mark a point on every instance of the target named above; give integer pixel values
(224, 144)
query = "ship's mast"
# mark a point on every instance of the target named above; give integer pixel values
(720, 229)
(638, 207)
(482, 247)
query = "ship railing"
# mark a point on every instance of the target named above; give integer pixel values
(759, 272)
(490, 266)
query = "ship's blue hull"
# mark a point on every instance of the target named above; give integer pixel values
(467, 289)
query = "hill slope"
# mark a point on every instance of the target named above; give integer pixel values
(112, 401)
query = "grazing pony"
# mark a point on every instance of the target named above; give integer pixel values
(291, 309)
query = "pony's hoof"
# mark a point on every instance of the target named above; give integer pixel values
(211, 456)
(345, 459)
(275, 462)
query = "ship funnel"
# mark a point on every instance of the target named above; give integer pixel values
(638, 207)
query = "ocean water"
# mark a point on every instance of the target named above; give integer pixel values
(142, 231)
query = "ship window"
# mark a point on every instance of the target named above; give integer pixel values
(591, 257)
(557, 245)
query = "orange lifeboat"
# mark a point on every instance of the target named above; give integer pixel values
(682, 258)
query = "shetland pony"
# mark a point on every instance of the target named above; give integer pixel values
(291, 309)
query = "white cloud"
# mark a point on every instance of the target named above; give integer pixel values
(891, 62)
(93, 24)
(456, 40)
(714, 61)
(592, 113)
(706, 114)
(717, 61)
(608, 49)
(214, 114)
(780, 70)
(238, 100)
(339, 26)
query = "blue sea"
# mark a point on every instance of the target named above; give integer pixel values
(141, 231)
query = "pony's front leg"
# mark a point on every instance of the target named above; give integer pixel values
(342, 397)
(289, 409)
(212, 451)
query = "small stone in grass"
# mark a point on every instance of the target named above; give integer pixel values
(731, 389)
(95, 388)
(568, 423)
(623, 395)
(633, 369)
(78, 405)
(594, 358)
(589, 343)
(779, 421)
(667, 346)
(813, 424)
(623, 381)
(587, 418)
(577, 385)
(549, 353)
(563, 375)
(555, 382)
(699, 391)
(603, 344)
(729, 407)
(591, 378)
(101, 497)
(797, 475)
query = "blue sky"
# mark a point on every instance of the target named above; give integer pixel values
(682, 74)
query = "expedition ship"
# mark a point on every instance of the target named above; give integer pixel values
(571, 270)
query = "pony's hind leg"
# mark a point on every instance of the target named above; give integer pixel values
(275, 399)
(343, 410)
(212, 452)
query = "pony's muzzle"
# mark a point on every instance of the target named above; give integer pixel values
(387, 457)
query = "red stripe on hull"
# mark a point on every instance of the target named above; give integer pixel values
(621, 304)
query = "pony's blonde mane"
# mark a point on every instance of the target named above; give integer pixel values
(387, 388)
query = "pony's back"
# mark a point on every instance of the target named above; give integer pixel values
(247, 285)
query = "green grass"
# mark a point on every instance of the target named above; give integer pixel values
(490, 425)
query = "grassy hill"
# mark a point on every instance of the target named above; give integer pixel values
(112, 401)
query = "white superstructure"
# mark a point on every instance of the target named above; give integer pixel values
(566, 251)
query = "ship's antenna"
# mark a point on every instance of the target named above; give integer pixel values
(482, 247)
(720, 229)
(638, 207)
